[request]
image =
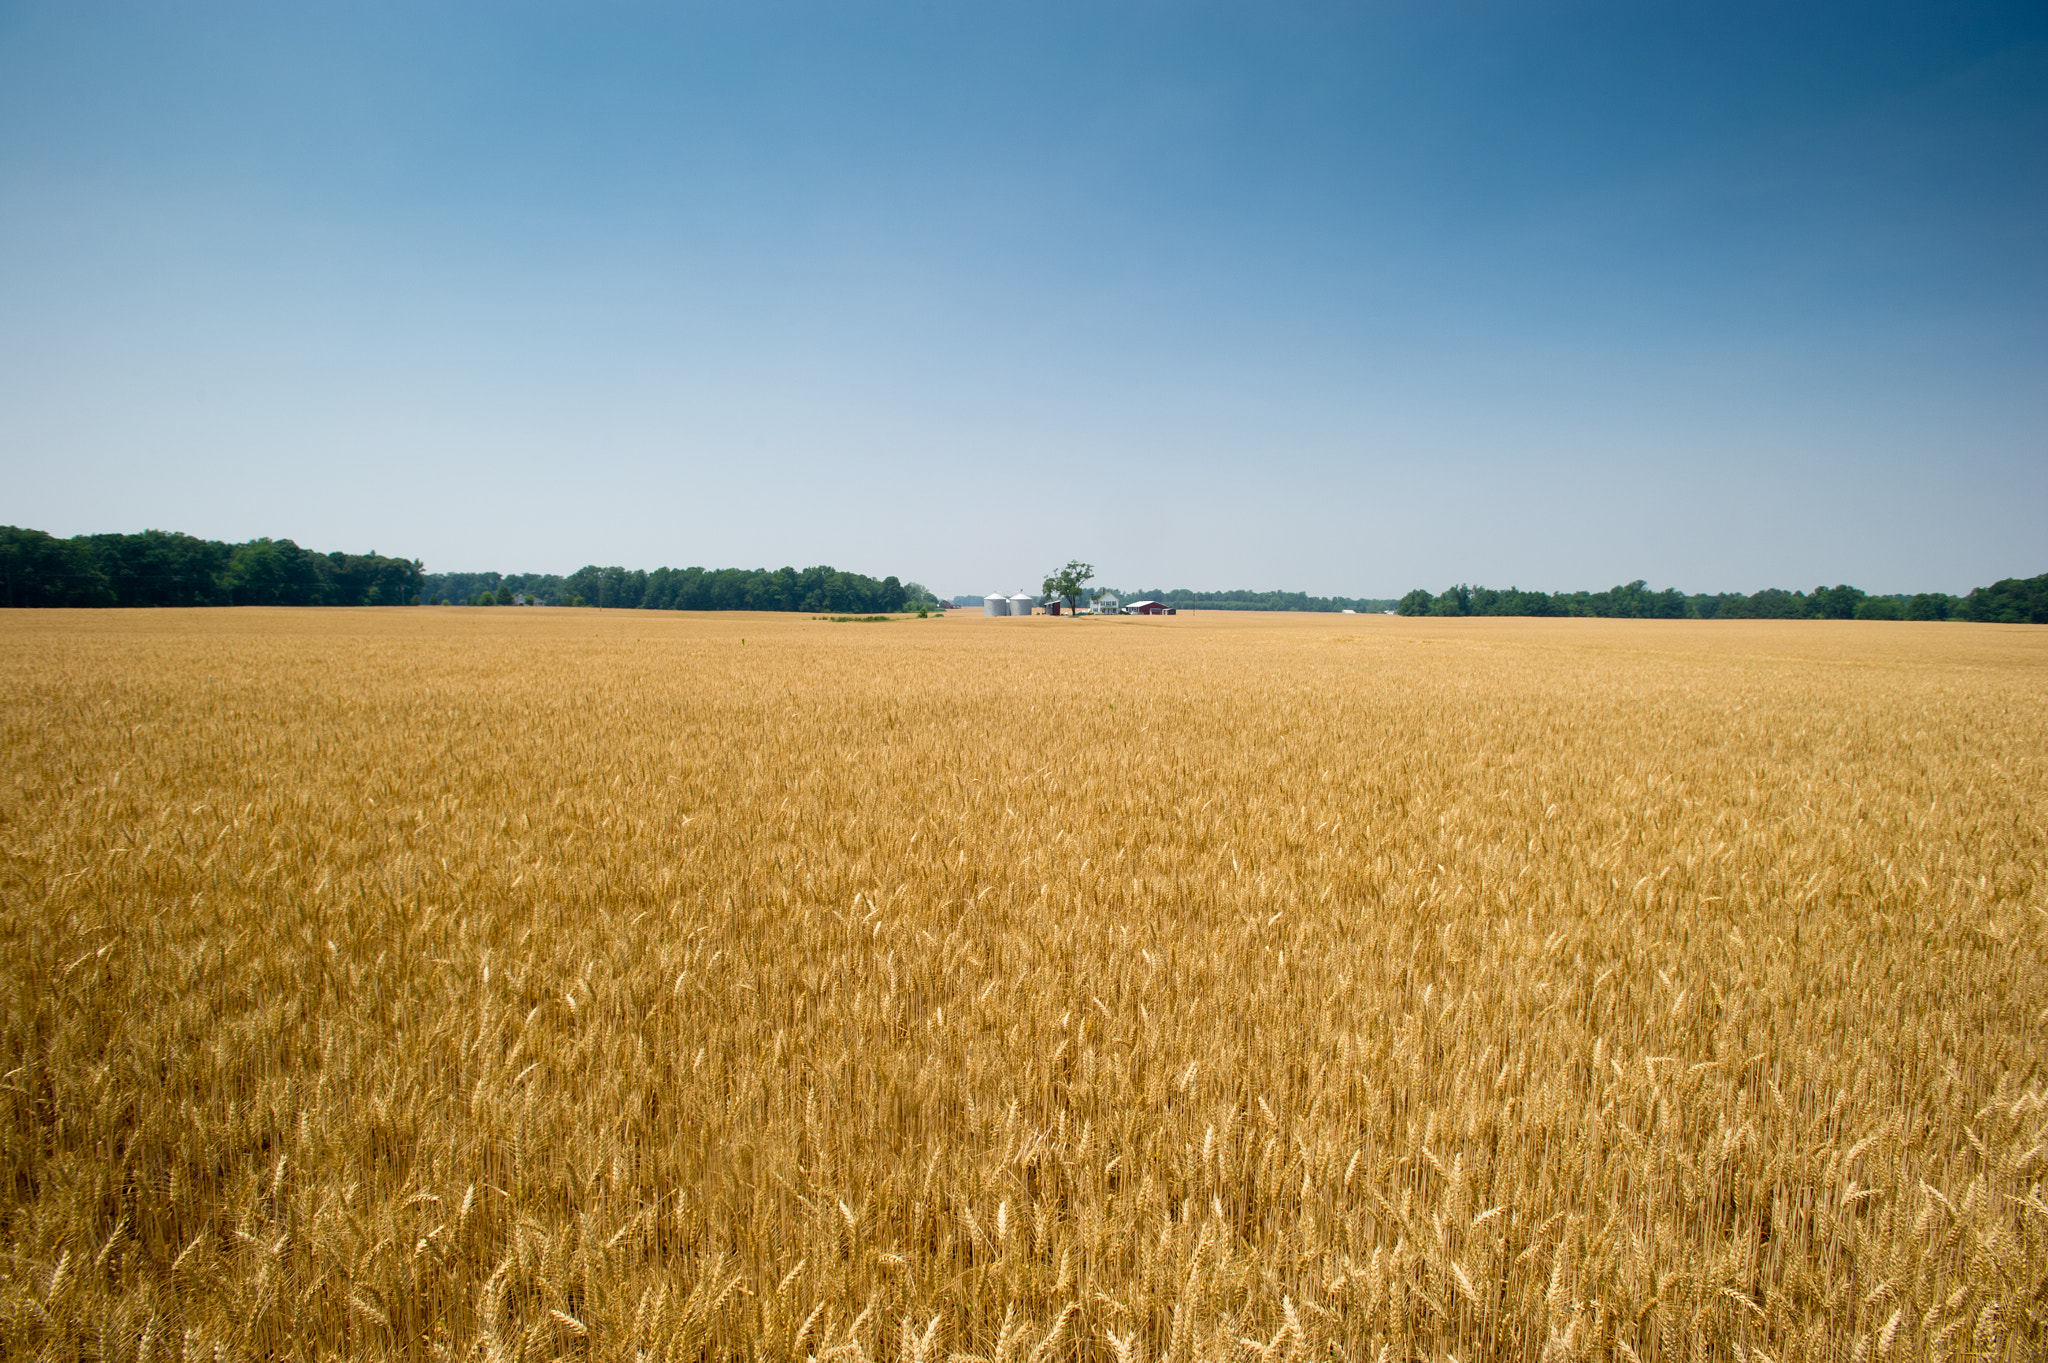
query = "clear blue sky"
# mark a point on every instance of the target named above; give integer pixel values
(1344, 298)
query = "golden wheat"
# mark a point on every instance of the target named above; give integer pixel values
(527, 984)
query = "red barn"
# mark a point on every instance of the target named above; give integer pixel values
(1146, 608)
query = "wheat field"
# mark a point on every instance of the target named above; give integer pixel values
(552, 984)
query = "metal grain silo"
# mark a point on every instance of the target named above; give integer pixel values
(995, 603)
(1022, 602)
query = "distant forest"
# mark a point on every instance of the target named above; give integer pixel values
(162, 568)
(1180, 598)
(2010, 601)
(820, 590)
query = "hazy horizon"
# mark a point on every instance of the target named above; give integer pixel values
(1325, 298)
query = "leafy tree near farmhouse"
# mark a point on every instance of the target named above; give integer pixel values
(1070, 582)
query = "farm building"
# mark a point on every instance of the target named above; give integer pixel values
(1147, 608)
(995, 603)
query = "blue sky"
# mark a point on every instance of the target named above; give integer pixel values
(1343, 298)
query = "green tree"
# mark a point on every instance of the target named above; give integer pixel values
(37, 569)
(158, 569)
(1070, 582)
(1453, 601)
(2008, 601)
(1835, 603)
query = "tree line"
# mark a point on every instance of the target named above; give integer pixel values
(2010, 600)
(1180, 598)
(164, 568)
(818, 590)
